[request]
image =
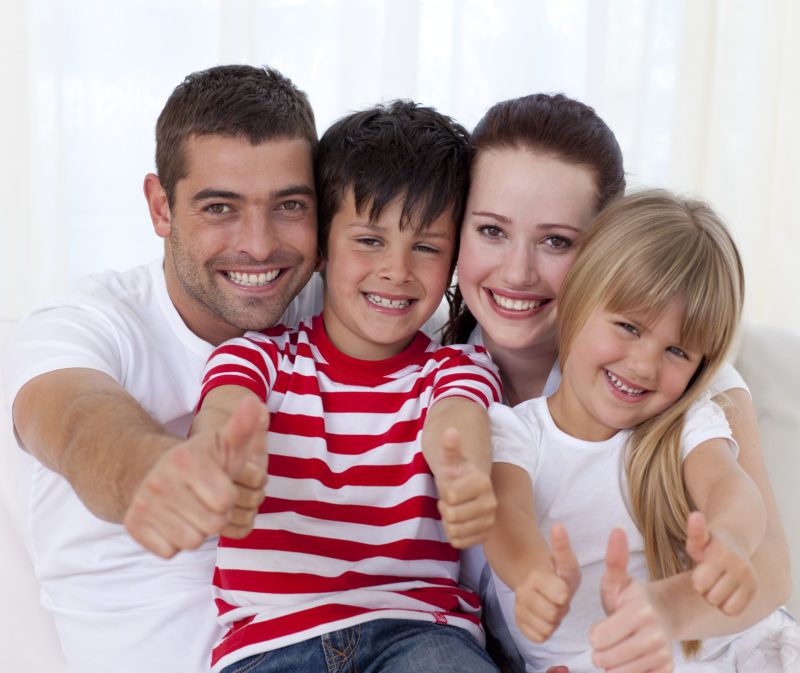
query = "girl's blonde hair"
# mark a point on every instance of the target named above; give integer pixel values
(642, 252)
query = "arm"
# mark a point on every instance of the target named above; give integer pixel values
(689, 614)
(727, 529)
(636, 636)
(125, 466)
(543, 583)
(456, 445)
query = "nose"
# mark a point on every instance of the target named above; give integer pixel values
(644, 363)
(520, 266)
(395, 266)
(257, 236)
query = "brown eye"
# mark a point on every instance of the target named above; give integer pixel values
(219, 208)
(490, 231)
(558, 242)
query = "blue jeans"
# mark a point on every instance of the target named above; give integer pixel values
(380, 646)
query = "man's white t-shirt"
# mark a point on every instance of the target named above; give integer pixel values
(117, 606)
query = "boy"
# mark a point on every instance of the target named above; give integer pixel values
(348, 563)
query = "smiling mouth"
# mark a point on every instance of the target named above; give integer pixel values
(516, 304)
(619, 385)
(385, 302)
(252, 279)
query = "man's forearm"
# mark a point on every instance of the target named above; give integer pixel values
(83, 425)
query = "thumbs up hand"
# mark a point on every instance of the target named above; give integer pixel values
(723, 573)
(542, 599)
(634, 636)
(467, 503)
(211, 483)
(244, 437)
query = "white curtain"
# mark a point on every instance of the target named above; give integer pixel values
(702, 95)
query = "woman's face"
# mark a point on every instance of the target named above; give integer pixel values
(525, 218)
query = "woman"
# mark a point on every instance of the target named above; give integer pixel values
(543, 167)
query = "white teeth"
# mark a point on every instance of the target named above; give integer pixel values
(252, 279)
(619, 385)
(387, 303)
(515, 304)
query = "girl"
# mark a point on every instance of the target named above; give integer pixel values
(629, 439)
(542, 169)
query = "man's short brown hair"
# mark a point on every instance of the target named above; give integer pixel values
(230, 100)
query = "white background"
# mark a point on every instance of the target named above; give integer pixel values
(703, 95)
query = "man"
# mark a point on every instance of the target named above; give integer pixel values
(103, 384)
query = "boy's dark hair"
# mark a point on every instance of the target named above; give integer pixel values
(400, 149)
(231, 100)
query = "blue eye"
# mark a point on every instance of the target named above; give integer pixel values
(629, 328)
(424, 247)
(679, 352)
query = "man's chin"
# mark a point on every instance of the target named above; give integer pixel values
(254, 320)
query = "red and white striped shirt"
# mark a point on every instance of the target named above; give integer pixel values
(349, 530)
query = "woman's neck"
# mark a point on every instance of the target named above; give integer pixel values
(524, 373)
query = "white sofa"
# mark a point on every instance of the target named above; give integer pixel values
(769, 360)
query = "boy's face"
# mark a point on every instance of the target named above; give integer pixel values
(381, 283)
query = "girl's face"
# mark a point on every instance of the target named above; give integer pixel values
(622, 371)
(524, 220)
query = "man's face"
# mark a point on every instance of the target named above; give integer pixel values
(241, 240)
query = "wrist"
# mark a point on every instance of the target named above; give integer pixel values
(150, 448)
(659, 601)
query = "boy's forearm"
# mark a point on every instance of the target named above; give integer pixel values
(472, 423)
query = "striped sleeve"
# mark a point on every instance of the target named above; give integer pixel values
(467, 371)
(250, 361)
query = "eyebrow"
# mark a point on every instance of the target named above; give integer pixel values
(544, 225)
(486, 213)
(204, 194)
(291, 190)
(425, 233)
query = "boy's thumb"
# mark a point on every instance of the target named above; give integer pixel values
(452, 458)
(697, 536)
(248, 421)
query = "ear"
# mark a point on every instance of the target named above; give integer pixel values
(158, 205)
